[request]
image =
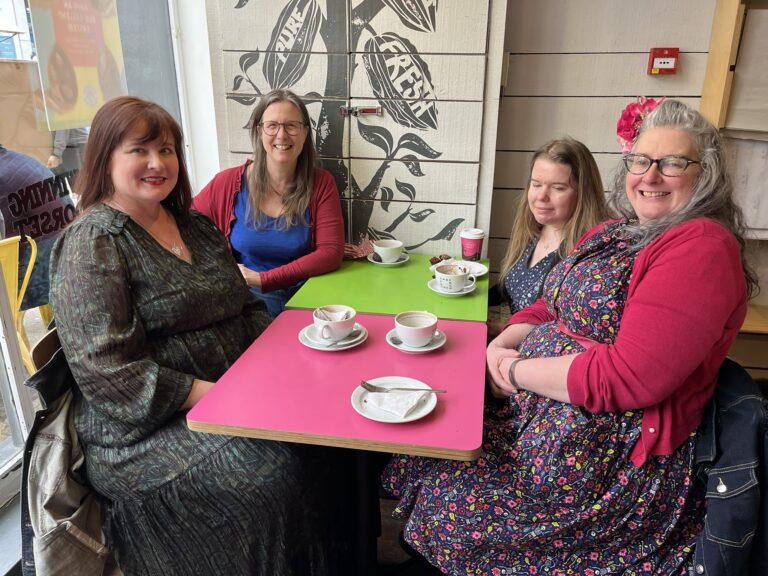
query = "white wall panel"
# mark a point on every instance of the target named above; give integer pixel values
(526, 123)
(608, 74)
(440, 182)
(250, 27)
(454, 20)
(452, 77)
(503, 213)
(242, 77)
(456, 138)
(512, 168)
(749, 169)
(416, 223)
(548, 26)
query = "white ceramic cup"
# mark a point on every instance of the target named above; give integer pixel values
(388, 250)
(334, 322)
(415, 328)
(453, 278)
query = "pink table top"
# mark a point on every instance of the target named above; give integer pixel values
(282, 390)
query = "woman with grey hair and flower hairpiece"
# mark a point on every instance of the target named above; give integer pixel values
(280, 211)
(589, 465)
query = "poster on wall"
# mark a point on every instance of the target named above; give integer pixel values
(80, 59)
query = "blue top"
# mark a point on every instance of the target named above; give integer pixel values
(266, 246)
(522, 285)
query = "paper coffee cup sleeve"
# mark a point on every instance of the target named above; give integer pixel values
(399, 403)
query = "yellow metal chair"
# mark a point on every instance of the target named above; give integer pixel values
(9, 260)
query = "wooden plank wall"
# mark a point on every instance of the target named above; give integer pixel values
(572, 67)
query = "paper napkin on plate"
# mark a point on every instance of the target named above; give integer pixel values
(398, 402)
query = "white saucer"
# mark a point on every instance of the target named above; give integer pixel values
(467, 290)
(426, 404)
(308, 336)
(401, 260)
(477, 269)
(438, 340)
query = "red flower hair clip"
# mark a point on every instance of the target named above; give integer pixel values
(632, 118)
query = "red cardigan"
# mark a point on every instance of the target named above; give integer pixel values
(686, 302)
(217, 201)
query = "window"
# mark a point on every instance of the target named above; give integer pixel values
(16, 410)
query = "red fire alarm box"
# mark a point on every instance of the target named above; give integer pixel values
(663, 60)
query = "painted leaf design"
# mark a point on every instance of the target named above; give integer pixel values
(247, 60)
(445, 234)
(415, 14)
(242, 99)
(396, 221)
(288, 52)
(422, 214)
(376, 135)
(406, 189)
(381, 234)
(386, 198)
(417, 144)
(238, 80)
(241, 3)
(413, 164)
(401, 81)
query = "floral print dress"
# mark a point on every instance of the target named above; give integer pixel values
(554, 491)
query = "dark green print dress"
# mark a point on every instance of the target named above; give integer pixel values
(137, 325)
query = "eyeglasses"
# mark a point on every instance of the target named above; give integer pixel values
(669, 165)
(272, 128)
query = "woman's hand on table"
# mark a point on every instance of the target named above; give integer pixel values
(198, 390)
(252, 277)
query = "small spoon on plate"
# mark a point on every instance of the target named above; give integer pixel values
(374, 388)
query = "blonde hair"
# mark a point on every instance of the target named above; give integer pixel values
(590, 206)
(296, 199)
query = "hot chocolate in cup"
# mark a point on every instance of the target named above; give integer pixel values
(453, 278)
(334, 322)
(388, 250)
(415, 328)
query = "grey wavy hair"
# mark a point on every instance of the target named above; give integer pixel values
(712, 190)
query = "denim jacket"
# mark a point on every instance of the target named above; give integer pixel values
(732, 461)
(60, 516)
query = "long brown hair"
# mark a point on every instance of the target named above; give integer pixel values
(296, 199)
(590, 207)
(111, 125)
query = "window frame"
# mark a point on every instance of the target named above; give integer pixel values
(17, 401)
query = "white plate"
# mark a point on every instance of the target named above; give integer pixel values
(438, 340)
(477, 268)
(401, 260)
(426, 404)
(308, 336)
(467, 290)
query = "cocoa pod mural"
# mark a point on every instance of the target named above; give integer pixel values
(416, 15)
(289, 49)
(399, 78)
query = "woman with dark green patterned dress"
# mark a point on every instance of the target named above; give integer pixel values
(151, 310)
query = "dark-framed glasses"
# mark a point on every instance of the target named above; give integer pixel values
(668, 165)
(272, 128)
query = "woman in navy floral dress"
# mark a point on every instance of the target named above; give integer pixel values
(587, 464)
(564, 198)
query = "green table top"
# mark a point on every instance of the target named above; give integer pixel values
(391, 290)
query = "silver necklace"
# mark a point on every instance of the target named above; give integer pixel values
(174, 247)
